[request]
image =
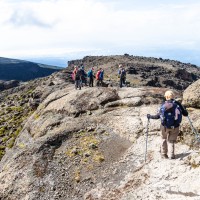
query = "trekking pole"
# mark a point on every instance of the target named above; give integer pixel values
(197, 136)
(146, 139)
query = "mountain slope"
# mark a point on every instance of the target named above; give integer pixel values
(12, 69)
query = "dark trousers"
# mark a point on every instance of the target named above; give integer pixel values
(77, 83)
(91, 81)
(122, 81)
(99, 82)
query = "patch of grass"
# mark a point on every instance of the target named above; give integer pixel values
(2, 131)
(194, 165)
(2, 147)
(16, 133)
(16, 108)
(77, 175)
(98, 157)
(36, 116)
(21, 145)
(11, 143)
(2, 152)
(5, 139)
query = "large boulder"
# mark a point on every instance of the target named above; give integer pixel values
(191, 96)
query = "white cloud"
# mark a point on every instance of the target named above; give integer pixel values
(60, 26)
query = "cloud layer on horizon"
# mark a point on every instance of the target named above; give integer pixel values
(47, 27)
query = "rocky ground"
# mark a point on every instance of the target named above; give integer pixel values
(90, 143)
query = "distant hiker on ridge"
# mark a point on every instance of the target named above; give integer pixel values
(83, 76)
(74, 72)
(98, 76)
(170, 113)
(101, 75)
(91, 76)
(78, 74)
(122, 75)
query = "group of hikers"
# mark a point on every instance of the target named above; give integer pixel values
(81, 77)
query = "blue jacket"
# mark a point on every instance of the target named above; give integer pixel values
(101, 75)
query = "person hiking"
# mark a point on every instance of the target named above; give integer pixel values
(101, 77)
(74, 72)
(83, 76)
(91, 76)
(170, 113)
(98, 76)
(78, 78)
(122, 76)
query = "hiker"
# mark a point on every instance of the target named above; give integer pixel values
(170, 113)
(83, 76)
(101, 77)
(122, 76)
(78, 78)
(91, 76)
(98, 76)
(74, 72)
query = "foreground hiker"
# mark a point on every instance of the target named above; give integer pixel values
(170, 113)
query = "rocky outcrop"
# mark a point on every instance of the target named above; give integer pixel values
(191, 96)
(4, 85)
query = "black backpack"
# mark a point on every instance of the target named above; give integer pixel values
(170, 114)
(78, 74)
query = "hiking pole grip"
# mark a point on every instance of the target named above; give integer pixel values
(145, 155)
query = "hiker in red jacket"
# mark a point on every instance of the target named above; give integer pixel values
(98, 76)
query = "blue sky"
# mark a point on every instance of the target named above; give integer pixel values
(70, 29)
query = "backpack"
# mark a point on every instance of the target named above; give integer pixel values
(78, 74)
(97, 75)
(101, 75)
(89, 74)
(123, 73)
(170, 114)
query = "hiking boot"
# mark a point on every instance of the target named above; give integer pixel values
(165, 156)
(172, 157)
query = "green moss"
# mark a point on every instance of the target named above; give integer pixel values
(11, 143)
(21, 145)
(2, 131)
(36, 116)
(30, 91)
(98, 157)
(16, 108)
(16, 133)
(5, 139)
(2, 147)
(2, 152)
